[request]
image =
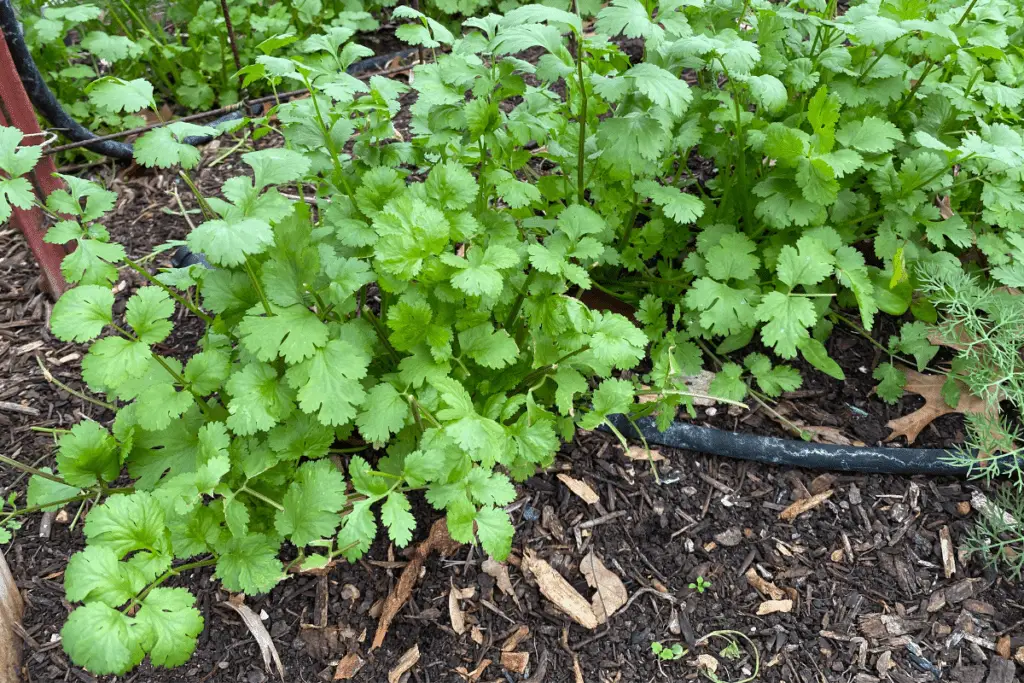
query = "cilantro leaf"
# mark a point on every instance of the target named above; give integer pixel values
(81, 313)
(171, 624)
(96, 575)
(328, 383)
(787, 318)
(249, 564)
(116, 95)
(872, 135)
(490, 348)
(102, 639)
(46, 491)
(165, 146)
(681, 207)
(227, 242)
(383, 413)
(495, 531)
(293, 332)
(891, 381)
(312, 503)
(396, 516)
(259, 400)
(88, 453)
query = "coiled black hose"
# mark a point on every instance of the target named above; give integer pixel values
(46, 102)
(793, 453)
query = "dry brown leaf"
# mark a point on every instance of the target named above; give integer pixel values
(580, 489)
(640, 453)
(438, 540)
(762, 586)
(499, 572)
(405, 662)
(945, 210)
(348, 667)
(458, 619)
(773, 606)
(804, 505)
(610, 592)
(475, 674)
(255, 625)
(559, 591)
(512, 642)
(708, 664)
(476, 634)
(516, 662)
(929, 387)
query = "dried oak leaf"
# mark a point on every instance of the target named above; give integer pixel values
(929, 387)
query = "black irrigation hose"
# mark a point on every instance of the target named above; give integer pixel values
(46, 102)
(793, 453)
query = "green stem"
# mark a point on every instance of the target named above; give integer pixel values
(204, 206)
(259, 496)
(31, 470)
(256, 285)
(881, 53)
(174, 571)
(170, 292)
(381, 334)
(581, 150)
(524, 291)
(64, 501)
(339, 172)
(931, 62)
(544, 370)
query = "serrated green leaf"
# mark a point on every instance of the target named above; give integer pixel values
(396, 516)
(787, 318)
(249, 564)
(81, 313)
(102, 639)
(171, 623)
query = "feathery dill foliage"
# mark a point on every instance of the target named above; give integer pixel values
(984, 324)
(427, 302)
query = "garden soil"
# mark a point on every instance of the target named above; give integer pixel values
(867, 585)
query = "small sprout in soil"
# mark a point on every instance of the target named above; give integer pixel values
(731, 651)
(701, 585)
(676, 651)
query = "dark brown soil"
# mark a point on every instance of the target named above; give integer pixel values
(864, 569)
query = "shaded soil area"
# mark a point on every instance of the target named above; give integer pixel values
(872, 594)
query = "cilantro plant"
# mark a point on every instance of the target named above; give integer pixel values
(383, 335)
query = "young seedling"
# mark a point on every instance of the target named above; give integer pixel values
(667, 653)
(700, 585)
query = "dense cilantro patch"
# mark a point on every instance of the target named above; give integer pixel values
(422, 297)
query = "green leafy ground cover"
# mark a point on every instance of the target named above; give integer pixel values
(423, 296)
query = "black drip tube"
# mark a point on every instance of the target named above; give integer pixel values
(46, 102)
(793, 453)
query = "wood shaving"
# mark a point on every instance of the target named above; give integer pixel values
(348, 667)
(773, 606)
(580, 488)
(766, 588)
(516, 662)
(559, 591)
(458, 619)
(499, 572)
(513, 641)
(405, 662)
(475, 674)
(804, 505)
(640, 453)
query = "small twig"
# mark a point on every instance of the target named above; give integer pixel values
(604, 519)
